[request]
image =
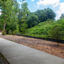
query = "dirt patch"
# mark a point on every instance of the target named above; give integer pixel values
(43, 45)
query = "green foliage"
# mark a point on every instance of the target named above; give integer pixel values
(45, 14)
(3, 33)
(32, 20)
(48, 29)
(23, 18)
(56, 32)
(9, 15)
(10, 32)
(1, 23)
(38, 24)
(41, 29)
(62, 16)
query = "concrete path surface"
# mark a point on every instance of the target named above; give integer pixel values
(20, 54)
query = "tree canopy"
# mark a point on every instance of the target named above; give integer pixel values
(45, 14)
(40, 23)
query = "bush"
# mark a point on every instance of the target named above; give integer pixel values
(48, 29)
(10, 32)
(55, 32)
(40, 29)
(15, 32)
(3, 33)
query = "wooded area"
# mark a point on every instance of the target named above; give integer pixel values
(41, 23)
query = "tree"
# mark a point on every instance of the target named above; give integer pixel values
(62, 16)
(4, 5)
(1, 23)
(32, 20)
(9, 9)
(24, 13)
(45, 14)
(12, 24)
(49, 14)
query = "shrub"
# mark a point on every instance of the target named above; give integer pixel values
(10, 32)
(3, 33)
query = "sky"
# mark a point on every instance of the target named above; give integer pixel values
(0, 12)
(56, 5)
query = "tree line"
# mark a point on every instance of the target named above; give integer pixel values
(15, 20)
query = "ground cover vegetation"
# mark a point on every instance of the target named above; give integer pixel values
(41, 23)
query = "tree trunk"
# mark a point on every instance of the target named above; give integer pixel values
(4, 29)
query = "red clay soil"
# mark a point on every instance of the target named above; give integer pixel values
(43, 45)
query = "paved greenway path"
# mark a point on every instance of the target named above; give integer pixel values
(20, 54)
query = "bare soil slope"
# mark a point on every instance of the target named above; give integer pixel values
(43, 45)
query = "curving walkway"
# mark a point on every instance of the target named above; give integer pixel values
(20, 54)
